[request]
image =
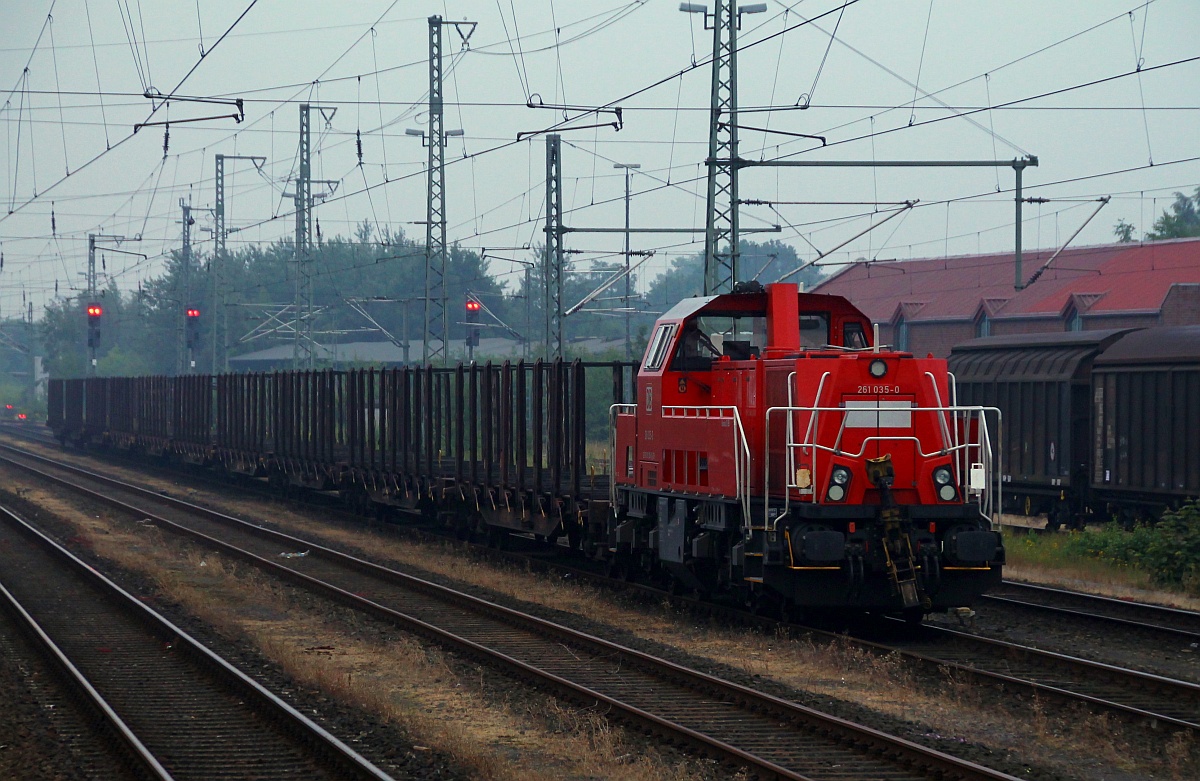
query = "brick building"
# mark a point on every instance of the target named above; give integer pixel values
(928, 306)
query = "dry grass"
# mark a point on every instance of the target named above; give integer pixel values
(840, 670)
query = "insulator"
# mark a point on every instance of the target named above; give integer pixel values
(358, 142)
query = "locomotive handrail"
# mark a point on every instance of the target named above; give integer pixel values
(741, 446)
(613, 411)
(937, 396)
(958, 449)
(812, 423)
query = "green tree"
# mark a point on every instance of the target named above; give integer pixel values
(1182, 220)
(765, 263)
(122, 363)
(1123, 231)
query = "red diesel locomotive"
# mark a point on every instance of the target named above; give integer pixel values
(774, 452)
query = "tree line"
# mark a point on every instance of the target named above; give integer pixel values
(383, 271)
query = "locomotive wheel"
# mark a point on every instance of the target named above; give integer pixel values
(763, 604)
(676, 587)
(913, 616)
(790, 613)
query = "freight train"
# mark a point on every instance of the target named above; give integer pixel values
(1103, 424)
(765, 450)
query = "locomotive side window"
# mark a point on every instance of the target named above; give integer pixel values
(657, 353)
(814, 331)
(853, 336)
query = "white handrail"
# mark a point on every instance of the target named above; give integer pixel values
(613, 411)
(790, 448)
(937, 396)
(958, 450)
(741, 446)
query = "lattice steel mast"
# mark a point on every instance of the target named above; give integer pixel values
(553, 266)
(219, 318)
(303, 205)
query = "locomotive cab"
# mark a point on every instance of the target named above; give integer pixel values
(774, 451)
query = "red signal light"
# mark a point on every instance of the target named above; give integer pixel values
(193, 313)
(8, 406)
(94, 310)
(472, 305)
(20, 416)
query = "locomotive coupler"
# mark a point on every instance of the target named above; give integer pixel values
(897, 546)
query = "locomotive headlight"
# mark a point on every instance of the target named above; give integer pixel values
(878, 368)
(838, 479)
(943, 479)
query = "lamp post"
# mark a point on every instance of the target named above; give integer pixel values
(629, 169)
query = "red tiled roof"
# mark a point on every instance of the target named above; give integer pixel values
(1106, 278)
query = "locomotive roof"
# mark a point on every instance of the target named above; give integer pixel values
(1173, 345)
(753, 302)
(1046, 357)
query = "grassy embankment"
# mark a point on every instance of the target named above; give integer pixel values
(1159, 563)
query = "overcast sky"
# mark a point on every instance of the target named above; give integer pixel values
(900, 79)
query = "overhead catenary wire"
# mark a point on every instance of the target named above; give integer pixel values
(474, 159)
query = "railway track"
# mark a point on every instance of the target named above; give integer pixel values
(1138, 696)
(177, 710)
(47, 727)
(1181, 624)
(1156, 699)
(770, 735)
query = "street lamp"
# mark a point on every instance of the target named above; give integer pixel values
(697, 8)
(412, 131)
(628, 168)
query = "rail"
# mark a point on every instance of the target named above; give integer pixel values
(974, 451)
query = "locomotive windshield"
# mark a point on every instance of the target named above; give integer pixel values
(739, 337)
(853, 336)
(709, 337)
(814, 331)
